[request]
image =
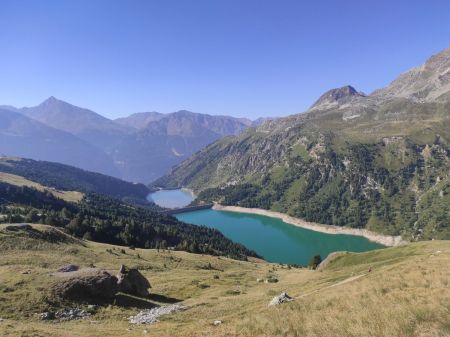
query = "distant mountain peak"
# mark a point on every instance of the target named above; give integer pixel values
(336, 97)
(52, 100)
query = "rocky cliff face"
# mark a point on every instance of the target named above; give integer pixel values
(365, 161)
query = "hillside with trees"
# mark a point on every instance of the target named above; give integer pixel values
(104, 219)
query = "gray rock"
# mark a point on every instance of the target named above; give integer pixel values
(131, 281)
(68, 268)
(282, 298)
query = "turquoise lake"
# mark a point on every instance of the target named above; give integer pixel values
(172, 198)
(274, 239)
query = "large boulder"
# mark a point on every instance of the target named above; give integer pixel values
(131, 281)
(86, 285)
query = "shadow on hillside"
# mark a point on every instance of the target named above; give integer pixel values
(163, 299)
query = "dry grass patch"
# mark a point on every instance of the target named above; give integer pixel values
(406, 293)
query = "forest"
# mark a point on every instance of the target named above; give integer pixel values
(69, 178)
(104, 219)
(357, 187)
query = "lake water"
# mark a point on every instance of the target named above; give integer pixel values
(274, 239)
(172, 198)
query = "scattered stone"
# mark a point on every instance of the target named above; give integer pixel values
(282, 298)
(259, 280)
(71, 314)
(131, 281)
(271, 279)
(217, 322)
(25, 272)
(1, 320)
(151, 316)
(68, 268)
(46, 316)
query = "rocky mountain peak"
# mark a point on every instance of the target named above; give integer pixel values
(335, 97)
(425, 83)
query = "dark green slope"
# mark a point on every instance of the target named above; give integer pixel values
(69, 178)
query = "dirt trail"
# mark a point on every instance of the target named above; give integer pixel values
(347, 280)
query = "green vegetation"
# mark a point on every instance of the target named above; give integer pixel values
(355, 186)
(315, 261)
(104, 219)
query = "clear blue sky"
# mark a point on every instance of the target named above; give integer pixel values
(238, 57)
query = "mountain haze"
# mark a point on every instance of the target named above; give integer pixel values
(141, 147)
(26, 137)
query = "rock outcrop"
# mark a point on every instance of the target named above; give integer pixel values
(93, 285)
(86, 285)
(131, 281)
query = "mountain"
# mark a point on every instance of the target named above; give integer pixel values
(68, 117)
(154, 148)
(139, 120)
(378, 161)
(26, 137)
(426, 83)
(83, 123)
(337, 97)
(140, 147)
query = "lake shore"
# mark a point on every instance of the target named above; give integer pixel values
(385, 240)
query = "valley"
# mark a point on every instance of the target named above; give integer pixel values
(378, 162)
(307, 196)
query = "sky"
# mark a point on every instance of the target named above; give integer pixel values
(246, 58)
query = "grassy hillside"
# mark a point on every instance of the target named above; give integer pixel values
(406, 293)
(69, 196)
(69, 178)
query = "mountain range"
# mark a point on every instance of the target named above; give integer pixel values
(138, 148)
(379, 161)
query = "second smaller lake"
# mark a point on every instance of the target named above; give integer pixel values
(172, 198)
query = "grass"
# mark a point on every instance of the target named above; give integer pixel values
(12, 179)
(405, 294)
